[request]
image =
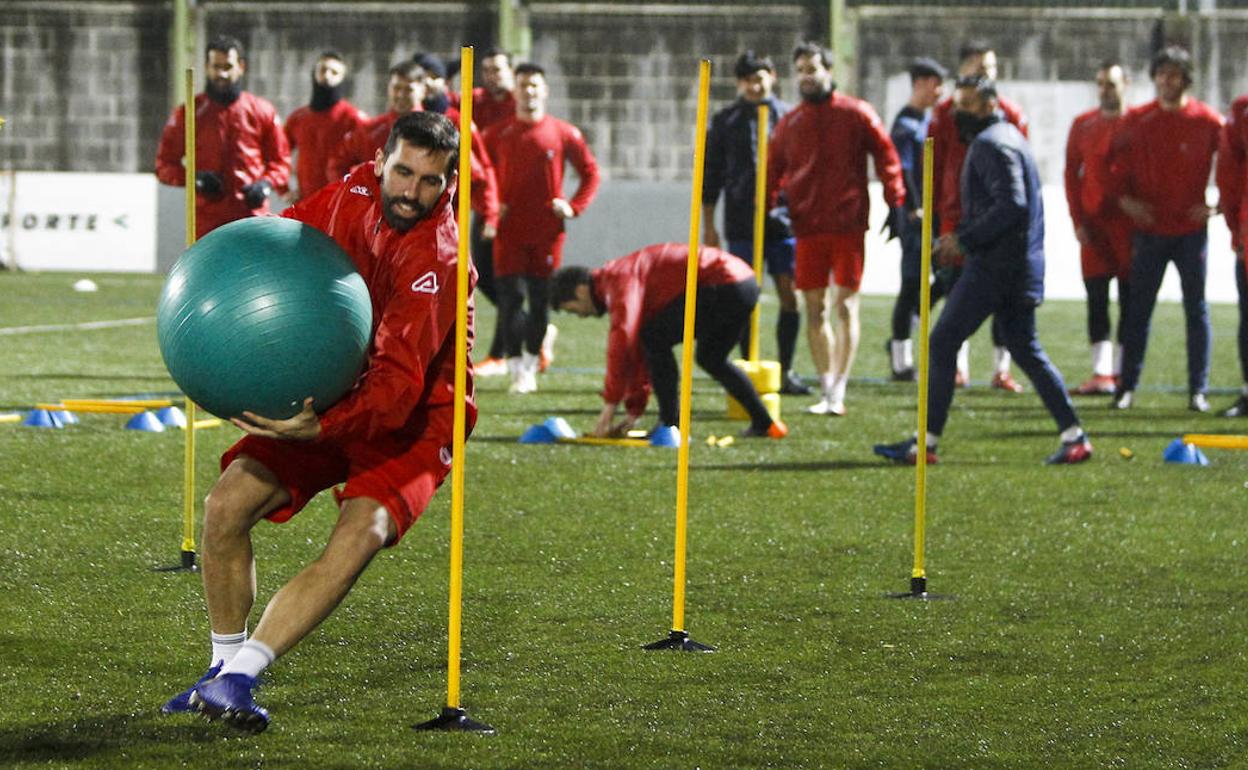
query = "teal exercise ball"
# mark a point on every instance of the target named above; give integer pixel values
(261, 313)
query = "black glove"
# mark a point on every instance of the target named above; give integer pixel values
(777, 225)
(895, 223)
(208, 183)
(256, 193)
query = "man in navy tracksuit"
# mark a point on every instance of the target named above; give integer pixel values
(1001, 236)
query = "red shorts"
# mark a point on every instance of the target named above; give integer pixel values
(1109, 252)
(402, 476)
(839, 255)
(535, 259)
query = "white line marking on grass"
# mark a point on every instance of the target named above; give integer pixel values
(87, 325)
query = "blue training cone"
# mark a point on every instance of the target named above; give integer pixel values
(145, 421)
(665, 436)
(1184, 454)
(65, 416)
(559, 428)
(42, 418)
(537, 434)
(171, 417)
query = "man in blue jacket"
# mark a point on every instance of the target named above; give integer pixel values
(1001, 236)
(731, 147)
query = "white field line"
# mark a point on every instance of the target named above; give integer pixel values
(8, 331)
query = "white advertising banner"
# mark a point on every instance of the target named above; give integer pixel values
(79, 222)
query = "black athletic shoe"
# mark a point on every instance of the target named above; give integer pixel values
(905, 375)
(904, 452)
(792, 385)
(1238, 409)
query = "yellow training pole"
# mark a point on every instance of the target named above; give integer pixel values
(453, 716)
(1216, 441)
(188, 459)
(679, 638)
(760, 213)
(918, 577)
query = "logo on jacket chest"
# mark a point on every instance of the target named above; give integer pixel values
(426, 284)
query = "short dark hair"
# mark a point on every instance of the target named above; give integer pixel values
(812, 49)
(407, 69)
(224, 44)
(749, 62)
(925, 67)
(529, 68)
(332, 54)
(985, 87)
(976, 47)
(493, 51)
(563, 284)
(428, 130)
(1175, 55)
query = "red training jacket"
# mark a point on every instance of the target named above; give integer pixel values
(484, 179)
(633, 289)
(529, 159)
(408, 386)
(818, 158)
(486, 110)
(1163, 158)
(315, 134)
(949, 154)
(241, 142)
(1232, 170)
(1087, 167)
(360, 146)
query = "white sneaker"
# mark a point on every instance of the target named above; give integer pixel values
(826, 405)
(524, 376)
(1124, 399)
(548, 347)
(490, 367)
(515, 368)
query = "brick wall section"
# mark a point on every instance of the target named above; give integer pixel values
(81, 85)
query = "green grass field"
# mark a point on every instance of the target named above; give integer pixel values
(1098, 617)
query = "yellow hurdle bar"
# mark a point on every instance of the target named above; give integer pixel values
(151, 403)
(1216, 441)
(454, 625)
(760, 213)
(188, 453)
(596, 441)
(918, 577)
(94, 408)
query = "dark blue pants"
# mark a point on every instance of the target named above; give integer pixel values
(907, 304)
(1149, 256)
(1241, 285)
(973, 298)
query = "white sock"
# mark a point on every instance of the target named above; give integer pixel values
(1103, 358)
(903, 354)
(932, 440)
(964, 360)
(1072, 433)
(226, 646)
(827, 382)
(836, 394)
(252, 658)
(1001, 359)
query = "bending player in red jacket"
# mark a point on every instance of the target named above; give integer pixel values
(529, 153)
(645, 294)
(389, 439)
(319, 127)
(241, 155)
(818, 159)
(1104, 232)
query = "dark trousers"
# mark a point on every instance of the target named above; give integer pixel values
(721, 312)
(946, 279)
(974, 297)
(1149, 256)
(1098, 307)
(522, 331)
(1241, 284)
(483, 258)
(907, 305)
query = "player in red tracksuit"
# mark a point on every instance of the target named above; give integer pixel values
(317, 128)
(389, 439)
(241, 155)
(644, 293)
(529, 153)
(493, 101)
(1104, 232)
(975, 57)
(1232, 177)
(818, 160)
(404, 93)
(1159, 167)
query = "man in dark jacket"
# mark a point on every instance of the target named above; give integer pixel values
(1001, 238)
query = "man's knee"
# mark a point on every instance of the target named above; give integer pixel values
(815, 306)
(245, 493)
(364, 527)
(845, 305)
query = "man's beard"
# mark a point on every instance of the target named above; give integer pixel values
(227, 94)
(324, 96)
(820, 95)
(396, 220)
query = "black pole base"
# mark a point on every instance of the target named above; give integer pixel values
(918, 590)
(188, 564)
(455, 720)
(678, 640)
